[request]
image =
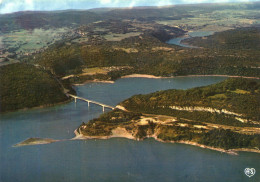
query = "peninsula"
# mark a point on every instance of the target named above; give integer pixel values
(224, 117)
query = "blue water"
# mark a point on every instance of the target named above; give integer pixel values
(177, 41)
(115, 159)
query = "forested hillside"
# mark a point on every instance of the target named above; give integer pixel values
(239, 96)
(25, 86)
(238, 39)
(224, 115)
(148, 55)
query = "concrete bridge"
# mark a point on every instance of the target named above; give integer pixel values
(91, 101)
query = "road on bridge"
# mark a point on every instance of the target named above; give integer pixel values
(91, 101)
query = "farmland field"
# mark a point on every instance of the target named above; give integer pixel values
(29, 41)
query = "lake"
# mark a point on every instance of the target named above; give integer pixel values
(113, 160)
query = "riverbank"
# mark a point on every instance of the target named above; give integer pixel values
(160, 77)
(136, 75)
(123, 133)
(230, 151)
(119, 132)
(40, 107)
(229, 76)
(143, 76)
(94, 81)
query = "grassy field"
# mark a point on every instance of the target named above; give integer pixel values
(219, 20)
(92, 71)
(119, 37)
(102, 70)
(81, 40)
(25, 41)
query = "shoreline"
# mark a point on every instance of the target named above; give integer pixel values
(229, 151)
(229, 76)
(39, 107)
(94, 81)
(160, 77)
(143, 76)
(122, 133)
(127, 136)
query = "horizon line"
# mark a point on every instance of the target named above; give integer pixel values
(134, 7)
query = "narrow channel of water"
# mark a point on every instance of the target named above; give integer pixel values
(177, 41)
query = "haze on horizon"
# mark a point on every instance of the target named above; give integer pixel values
(10, 6)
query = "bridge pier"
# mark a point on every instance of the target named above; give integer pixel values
(91, 101)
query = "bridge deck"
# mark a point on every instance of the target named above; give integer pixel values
(91, 101)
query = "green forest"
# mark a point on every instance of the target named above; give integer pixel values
(218, 130)
(236, 95)
(25, 86)
(218, 138)
(153, 56)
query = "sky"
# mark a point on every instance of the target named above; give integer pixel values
(9, 6)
